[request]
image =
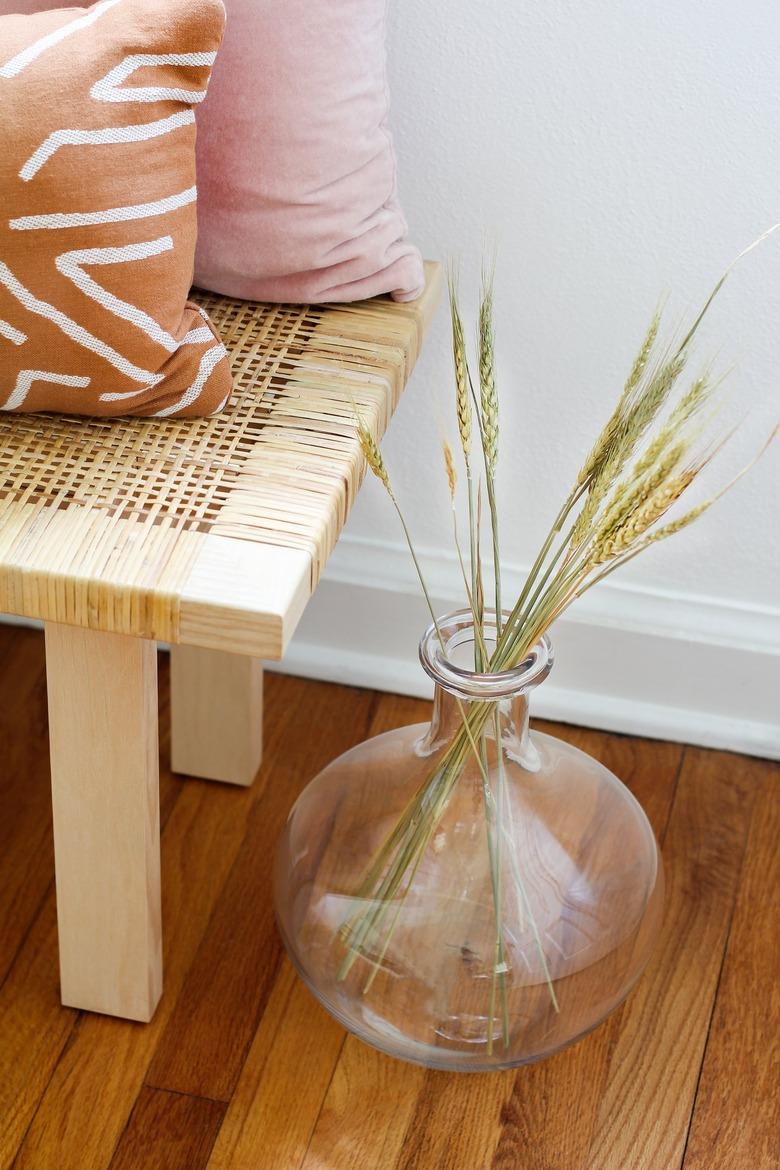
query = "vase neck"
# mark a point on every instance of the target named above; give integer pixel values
(447, 654)
(508, 717)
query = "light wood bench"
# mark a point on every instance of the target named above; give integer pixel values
(209, 535)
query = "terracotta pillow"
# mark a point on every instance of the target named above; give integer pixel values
(296, 170)
(97, 210)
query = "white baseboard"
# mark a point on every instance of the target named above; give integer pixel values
(646, 662)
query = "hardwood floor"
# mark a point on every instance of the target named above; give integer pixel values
(241, 1069)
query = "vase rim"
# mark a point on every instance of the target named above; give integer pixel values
(456, 629)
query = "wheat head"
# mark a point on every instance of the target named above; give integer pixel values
(487, 380)
(460, 362)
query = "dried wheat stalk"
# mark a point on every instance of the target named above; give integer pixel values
(647, 456)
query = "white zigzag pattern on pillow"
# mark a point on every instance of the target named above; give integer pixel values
(198, 336)
(70, 265)
(26, 378)
(10, 333)
(69, 219)
(110, 88)
(110, 135)
(28, 55)
(204, 333)
(76, 332)
(208, 363)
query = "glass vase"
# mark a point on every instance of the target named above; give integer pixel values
(471, 894)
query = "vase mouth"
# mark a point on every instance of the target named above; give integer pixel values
(442, 660)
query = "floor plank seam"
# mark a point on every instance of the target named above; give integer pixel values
(723, 958)
(68, 1041)
(662, 835)
(122, 1132)
(695, 1098)
(316, 1122)
(673, 801)
(212, 919)
(172, 1092)
(182, 1093)
(256, 1024)
(30, 926)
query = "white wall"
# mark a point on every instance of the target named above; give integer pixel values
(614, 150)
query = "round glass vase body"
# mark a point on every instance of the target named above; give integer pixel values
(469, 895)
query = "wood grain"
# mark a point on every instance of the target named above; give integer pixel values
(25, 797)
(690, 1056)
(548, 1122)
(105, 777)
(523, 1116)
(649, 1093)
(371, 1099)
(242, 598)
(367, 1111)
(736, 1121)
(404, 1115)
(168, 1131)
(204, 1045)
(34, 1027)
(100, 1073)
(257, 1125)
(216, 714)
(282, 1085)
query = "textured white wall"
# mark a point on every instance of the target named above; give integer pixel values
(614, 150)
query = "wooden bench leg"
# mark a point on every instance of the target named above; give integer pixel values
(102, 692)
(216, 714)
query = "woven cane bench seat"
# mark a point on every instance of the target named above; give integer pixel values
(208, 532)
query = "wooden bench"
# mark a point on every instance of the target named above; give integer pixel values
(209, 535)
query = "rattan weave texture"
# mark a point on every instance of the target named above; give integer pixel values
(101, 520)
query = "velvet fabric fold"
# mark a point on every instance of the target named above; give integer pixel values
(296, 167)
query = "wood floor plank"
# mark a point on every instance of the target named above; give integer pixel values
(379, 1112)
(270, 1119)
(99, 1075)
(306, 1097)
(34, 1027)
(26, 849)
(257, 1133)
(217, 1012)
(168, 1131)
(736, 1120)
(399, 711)
(549, 1121)
(368, 1108)
(371, 1099)
(649, 1092)
(456, 1126)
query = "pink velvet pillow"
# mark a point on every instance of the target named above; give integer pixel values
(296, 171)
